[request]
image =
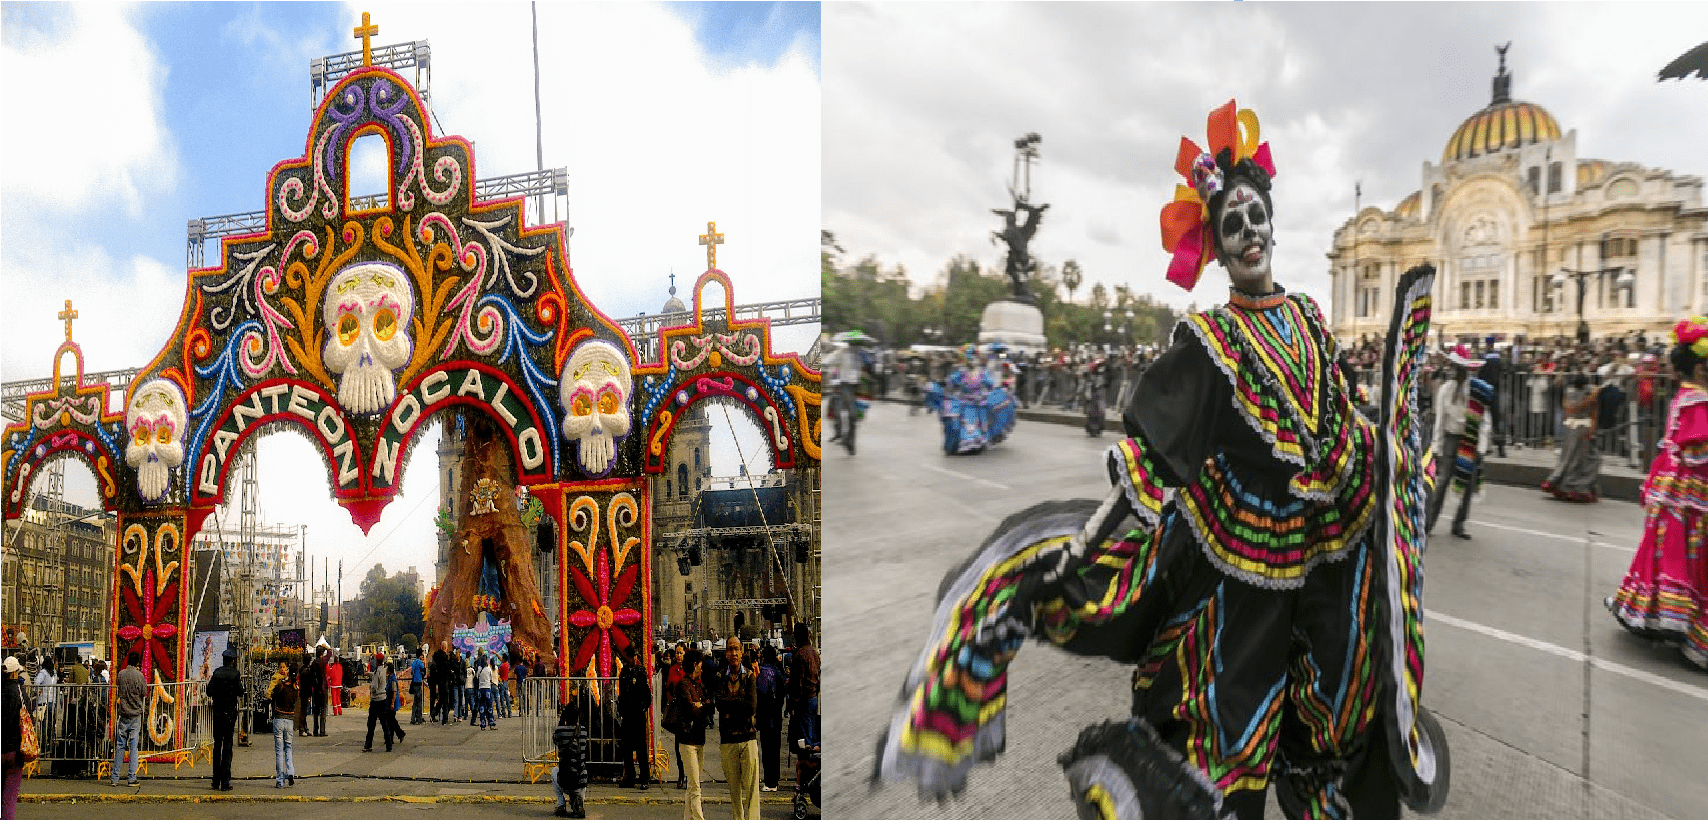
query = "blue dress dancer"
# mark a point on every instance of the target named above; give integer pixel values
(977, 411)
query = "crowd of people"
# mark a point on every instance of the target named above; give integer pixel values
(1063, 378)
(750, 692)
(756, 695)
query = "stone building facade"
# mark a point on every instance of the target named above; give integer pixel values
(1510, 205)
(57, 573)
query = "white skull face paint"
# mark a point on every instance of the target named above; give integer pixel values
(155, 421)
(1245, 238)
(594, 390)
(367, 312)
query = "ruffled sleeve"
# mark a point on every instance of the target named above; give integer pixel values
(1690, 432)
(1173, 424)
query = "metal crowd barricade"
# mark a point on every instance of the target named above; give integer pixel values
(595, 700)
(72, 728)
(1531, 412)
(76, 729)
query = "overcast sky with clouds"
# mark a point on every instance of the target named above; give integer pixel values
(924, 100)
(135, 119)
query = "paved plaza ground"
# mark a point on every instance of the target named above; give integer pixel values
(474, 771)
(1551, 709)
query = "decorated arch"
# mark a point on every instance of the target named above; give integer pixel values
(720, 357)
(355, 327)
(68, 420)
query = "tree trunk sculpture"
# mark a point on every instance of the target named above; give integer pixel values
(492, 539)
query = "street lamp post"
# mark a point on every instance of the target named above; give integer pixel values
(1622, 278)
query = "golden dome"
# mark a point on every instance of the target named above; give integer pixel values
(1411, 206)
(1499, 127)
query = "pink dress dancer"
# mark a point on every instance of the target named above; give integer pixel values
(1665, 593)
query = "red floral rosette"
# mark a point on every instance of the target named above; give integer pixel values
(1693, 333)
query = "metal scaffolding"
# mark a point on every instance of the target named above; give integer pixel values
(325, 72)
(552, 182)
(13, 393)
(643, 330)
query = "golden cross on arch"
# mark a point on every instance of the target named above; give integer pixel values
(712, 239)
(67, 315)
(363, 32)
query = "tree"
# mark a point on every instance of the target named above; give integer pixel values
(388, 608)
(884, 303)
(1072, 276)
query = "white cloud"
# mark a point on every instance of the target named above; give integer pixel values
(923, 100)
(656, 142)
(108, 294)
(80, 131)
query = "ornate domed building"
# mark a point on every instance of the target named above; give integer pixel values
(1509, 207)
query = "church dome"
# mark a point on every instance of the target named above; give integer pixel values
(1505, 124)
(673, 304)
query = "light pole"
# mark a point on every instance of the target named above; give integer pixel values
(1623, 278)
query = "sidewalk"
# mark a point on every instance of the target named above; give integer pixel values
(434, 764)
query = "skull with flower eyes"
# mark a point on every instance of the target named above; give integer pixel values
(367, 311)
(595, 393)
(155, 421)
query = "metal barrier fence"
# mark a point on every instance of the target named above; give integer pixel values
(596, 701)
(1529, 402)
(75, 727)
(1530, 411)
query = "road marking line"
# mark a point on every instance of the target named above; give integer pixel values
(1569, 654)
(985, 481)
(1575, 539)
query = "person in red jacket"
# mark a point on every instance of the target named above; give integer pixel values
(335, 683)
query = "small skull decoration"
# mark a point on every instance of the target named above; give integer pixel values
(595, 393)
(485, 493)
(155, 421)
(367, 311)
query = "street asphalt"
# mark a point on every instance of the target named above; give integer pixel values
(1551, 709)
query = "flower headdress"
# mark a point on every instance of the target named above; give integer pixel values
(1232, 136)
(1693, 333)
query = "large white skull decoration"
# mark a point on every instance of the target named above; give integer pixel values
(155, 421)
(367, 313)
(595, 394)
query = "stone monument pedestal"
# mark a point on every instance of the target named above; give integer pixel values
(1016, 324)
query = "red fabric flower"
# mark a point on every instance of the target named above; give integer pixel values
(605, 617)
(152, 623)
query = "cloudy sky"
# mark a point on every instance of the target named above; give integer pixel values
(923, 102)
(136, 119)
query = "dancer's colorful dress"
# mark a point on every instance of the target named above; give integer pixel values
(1665, 592)
(1259, 561)
(976, 411)
(1278, 528)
